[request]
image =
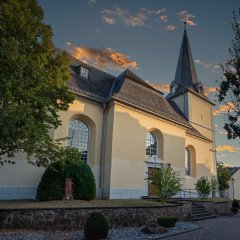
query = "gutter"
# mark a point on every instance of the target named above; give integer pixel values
(102, 153)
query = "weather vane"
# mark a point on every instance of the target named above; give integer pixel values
(185, 23)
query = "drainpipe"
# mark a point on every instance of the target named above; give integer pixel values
(102, 154)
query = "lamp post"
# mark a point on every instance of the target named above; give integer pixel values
(233, 181)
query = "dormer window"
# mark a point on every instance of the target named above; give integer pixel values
(173, 88)
(84, 72)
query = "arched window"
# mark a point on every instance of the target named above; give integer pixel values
(78, 135)
(187, 162)
(151, 144)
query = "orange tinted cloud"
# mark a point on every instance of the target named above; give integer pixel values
(164, 18)
(105, 58)
(227, 148)
(163, 87)
(224, 109)
(170, 27)
(187, 17)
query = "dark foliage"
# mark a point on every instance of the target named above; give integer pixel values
(229, 92)
(52, 183)
(167, 221)
(96, 227)
(235, 204)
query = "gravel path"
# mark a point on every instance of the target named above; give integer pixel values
(114, 234)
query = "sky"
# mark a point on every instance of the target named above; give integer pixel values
(145, 36)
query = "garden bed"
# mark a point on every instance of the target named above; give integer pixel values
(114, 234)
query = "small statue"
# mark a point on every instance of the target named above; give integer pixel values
(68, 188)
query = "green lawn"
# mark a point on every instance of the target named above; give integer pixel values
(80, 203)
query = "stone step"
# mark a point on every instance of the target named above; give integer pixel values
(201, 211)
(203, 218)
(201, 214)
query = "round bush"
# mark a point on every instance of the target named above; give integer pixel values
(96, 227)
(235, 204)
(51, 186)
(167, 221)
(52, 183)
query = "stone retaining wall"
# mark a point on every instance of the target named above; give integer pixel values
(216, 208)
(75, 218)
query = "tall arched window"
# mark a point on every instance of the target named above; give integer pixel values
(78, 135)
(151, 144)
(187, 162)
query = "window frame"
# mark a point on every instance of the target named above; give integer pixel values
(84, 72)
(188, 163)
(151, 151)
(81, 141)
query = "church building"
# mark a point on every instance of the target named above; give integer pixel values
(125, 129)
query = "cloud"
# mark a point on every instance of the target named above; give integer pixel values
(123, 15)
(164, 18)
(229, 107)
(187, 17)
(92, 1)
(104, 58)
(170, 27)
(210, 90)
(109, 20)
(221, 155)
(227, 148)
(163, 87)
(213, 66)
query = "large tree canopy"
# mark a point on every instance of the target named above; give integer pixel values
(229, 92)
(33, 78)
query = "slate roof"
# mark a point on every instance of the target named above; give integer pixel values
(128, 88)
(233, 170)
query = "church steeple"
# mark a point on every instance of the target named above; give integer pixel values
(185, 76)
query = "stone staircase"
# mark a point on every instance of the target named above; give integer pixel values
(199, 213)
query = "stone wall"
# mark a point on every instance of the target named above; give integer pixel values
(216, 208)
(75, 218)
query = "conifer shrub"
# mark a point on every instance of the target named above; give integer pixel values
(96, 227)
(235, 204)
(167, 221)
(51, 186)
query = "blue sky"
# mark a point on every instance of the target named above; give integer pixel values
(145, 36)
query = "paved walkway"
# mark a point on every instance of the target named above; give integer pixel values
(221, 228)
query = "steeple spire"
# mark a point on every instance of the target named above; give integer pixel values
(185, 76)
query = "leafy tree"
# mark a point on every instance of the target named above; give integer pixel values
(229, 92)
(33, 80)
(213, 185)
(203, 187)
(167, 182)
(223, 176)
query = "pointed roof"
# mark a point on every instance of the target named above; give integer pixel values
(185, 74)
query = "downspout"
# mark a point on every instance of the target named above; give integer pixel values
(102, 154)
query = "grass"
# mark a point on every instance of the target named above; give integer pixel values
(80, 204)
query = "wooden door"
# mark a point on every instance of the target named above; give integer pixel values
(152, 190)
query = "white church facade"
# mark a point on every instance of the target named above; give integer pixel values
(125, 129)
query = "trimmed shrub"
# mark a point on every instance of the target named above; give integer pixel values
(96, 227)
(234, 210)
(52, 183)
(51, 186)
(235, 204)
(84, 186)
(167, 221)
